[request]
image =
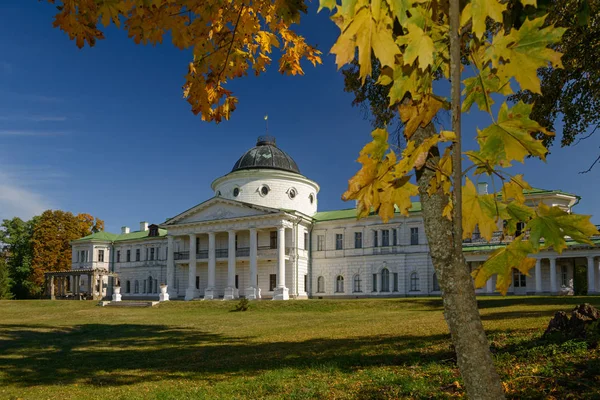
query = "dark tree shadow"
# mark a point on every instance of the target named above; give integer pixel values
(103, 354)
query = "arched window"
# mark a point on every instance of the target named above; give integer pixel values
(128, 287)
(320, 284)
(136, 287)
(356, 283)
(385, 280)
(339, 284)
(436, 284)
(414, 282)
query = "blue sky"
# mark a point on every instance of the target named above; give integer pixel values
(105, 130)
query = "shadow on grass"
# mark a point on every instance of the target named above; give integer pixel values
(100, 354)
(508, 301)
(503, 315)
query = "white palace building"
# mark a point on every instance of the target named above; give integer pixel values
(262, 236)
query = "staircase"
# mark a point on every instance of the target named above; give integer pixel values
(128, 303)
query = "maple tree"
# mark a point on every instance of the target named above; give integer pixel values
(412, 43)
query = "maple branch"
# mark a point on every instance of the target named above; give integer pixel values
(591, 166)
(237, 22)
(588, 136)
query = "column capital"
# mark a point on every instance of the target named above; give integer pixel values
(234, 231)
(192, 235)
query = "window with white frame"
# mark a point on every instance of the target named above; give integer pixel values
(339, 241)
(272, 282)
(395, 283)
(356, 288)
(374, 282)
(152, 254)
(128, 287)
(100, 255)
(519, 280)
(320, 285)
(136, 287)
(375, 239)
(385, 280)
(385, 238)
(320, 242)
(339, 284)
(563, 276)
(414, 236)
(137, 255)
(128, 255)
(414, 282)
(118, 255)
(394, 237)
(357, 240)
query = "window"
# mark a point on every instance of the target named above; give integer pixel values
(118, 255)
(273, 239)
(320, 242)
(520, 228)
(156, 286)
(292, 193)
(385, 238)
(128, 255)
(519, 279)
(305, 240)
(339, 241)
(320, 284)
(144, 287)
(236, 192)
(152, 254)
(147, 257)
(436, 284)
(82, 258)
(375, 242)
(306, 283)
(197, 282)
(357, 240)
(272, 282)
(100, 255)
(395, 281)
(563, 275)
(414, 282)
(385, 280)
(339, 284)
(414, 236)
(264, 190)
(374, 282)
(136, 287)
(311, 198)
(150, 284)
(237, 281)
(137, 254)
(394, 237)
(128, 287)
(153, 230)
(356, 284)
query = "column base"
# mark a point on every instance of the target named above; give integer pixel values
(191, 294)
(281, 294)
(163, 297)
(253, 293)
(209, 294)
(116, 297)
(231, 293)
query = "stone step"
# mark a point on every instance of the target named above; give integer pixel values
(128, 303)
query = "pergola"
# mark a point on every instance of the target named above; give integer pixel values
(57, 280)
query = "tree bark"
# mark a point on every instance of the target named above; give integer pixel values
(460, 305)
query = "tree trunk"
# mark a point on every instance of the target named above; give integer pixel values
(460, 305)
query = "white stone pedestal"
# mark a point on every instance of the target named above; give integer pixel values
(116, 293)
(231, 294)
(164, 295)
(209, 294)
(191, 294)
(281, 294)
(253, 293)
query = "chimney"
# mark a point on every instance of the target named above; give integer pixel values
(124, 230)
(482, 188)
(143, 226)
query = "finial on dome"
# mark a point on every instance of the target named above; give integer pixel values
(266, 140)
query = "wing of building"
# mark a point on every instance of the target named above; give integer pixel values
(261, 236)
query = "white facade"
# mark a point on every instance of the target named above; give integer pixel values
(261, 236)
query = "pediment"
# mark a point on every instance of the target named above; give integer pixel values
(217, 209)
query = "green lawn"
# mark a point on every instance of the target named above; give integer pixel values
(336, 349)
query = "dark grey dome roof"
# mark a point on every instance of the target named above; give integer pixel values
(266, 155)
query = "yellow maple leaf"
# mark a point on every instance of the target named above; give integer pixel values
(418, 45)
(478, 210)
(513, 189)
(479, 11)
(418, 114)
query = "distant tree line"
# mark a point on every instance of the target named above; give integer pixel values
(28, 249)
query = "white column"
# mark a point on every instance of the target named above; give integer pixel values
(489, 286)
(252, 292)
(191, 292)
(553, 287)
(171, 267)
(230, 291)
(209, 292)
(538, 276)
(281, 292)
(591, 275)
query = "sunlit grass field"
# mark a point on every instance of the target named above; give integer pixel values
(315, 349)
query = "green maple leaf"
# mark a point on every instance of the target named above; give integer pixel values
(418, 45)
(478, 89)
(522, 52)
(399, 8)
(509, 138)
(554, 224)
(502, 262)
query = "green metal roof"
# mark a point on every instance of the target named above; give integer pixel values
(493, 246)
(113, 237)
(535, 191)
(350, 213)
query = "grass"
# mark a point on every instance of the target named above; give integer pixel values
(315, 349)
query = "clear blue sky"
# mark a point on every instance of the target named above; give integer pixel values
(105, 130)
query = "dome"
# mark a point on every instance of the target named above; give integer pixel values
(266, 154)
